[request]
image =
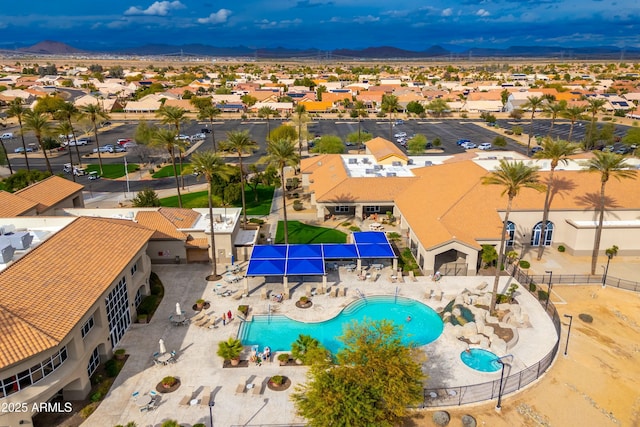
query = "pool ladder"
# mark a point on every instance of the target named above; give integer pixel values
(269, 313)
(397, 292)
(360, 294)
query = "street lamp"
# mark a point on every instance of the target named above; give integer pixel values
(610, 254)
(499, 360)
(211, 405)
(566, 347)
(549, 290)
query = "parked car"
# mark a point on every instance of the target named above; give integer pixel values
(462, 141)
(105, 149)
(468, 145)
(21, 150)
(400, 134)
(119, 149)
(535, 149)
(205, 130)
(81, 141)
(105, 124)
(93, 175)
(129, 144)
(198, 136)
(77, 171)
(123, 141)
(7, 135)
(485, 146)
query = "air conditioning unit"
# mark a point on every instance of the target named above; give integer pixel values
(20, 240)
(6, 251)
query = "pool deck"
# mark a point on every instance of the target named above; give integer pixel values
(198, 366)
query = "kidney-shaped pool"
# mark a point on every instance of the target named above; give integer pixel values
(420, 324)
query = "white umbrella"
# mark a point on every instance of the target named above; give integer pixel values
(178, 311)
(163, 349)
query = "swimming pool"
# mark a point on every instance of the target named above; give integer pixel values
(480, 360)
(279, 332)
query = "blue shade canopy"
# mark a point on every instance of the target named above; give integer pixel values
(305, 251)
(305, 267)
(360, 237)
(309, 260)
(339, 251)
(266, 267)
(269, 252)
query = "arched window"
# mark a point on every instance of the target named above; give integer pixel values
(548, 234)
(511, 233)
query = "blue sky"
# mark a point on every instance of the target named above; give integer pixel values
(323, 24)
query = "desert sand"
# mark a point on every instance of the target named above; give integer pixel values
(596, 384)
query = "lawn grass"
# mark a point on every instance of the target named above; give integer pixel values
(113, 171)
(199, 200)
(167, 171)
(303, 233)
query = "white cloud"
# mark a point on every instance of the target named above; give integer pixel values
(159, 8)
(447, 12)
(365, 19)
(265, 23)
(483, 13)
(216, 18)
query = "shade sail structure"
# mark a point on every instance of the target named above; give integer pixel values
(309, 260)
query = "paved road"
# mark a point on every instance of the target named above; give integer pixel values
(448, 130)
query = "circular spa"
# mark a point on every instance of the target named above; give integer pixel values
(421, 324)
(480, 360)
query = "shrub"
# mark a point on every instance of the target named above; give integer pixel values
(525, 264)
(111, 368)
(148, 304)
(303, 300)
(297, 205)
(244, 309)
(283, 357)
(501, 299)
(542, 295)
(277, 379)
(464, 115)
(230, 349)
(561, 248)
(354, 228)
(169, 381)
(345, 224)
(587, 318)
(532, 287)
(200, 301)
(88, 410)
(393, 236)
(517, 130)
(256, 221)
(95, 397)
(199, 425)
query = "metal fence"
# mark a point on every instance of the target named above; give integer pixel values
(452, 396)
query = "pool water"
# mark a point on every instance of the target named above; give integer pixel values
(481, 360)
(279, 332)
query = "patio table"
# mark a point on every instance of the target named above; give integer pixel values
(164, 358)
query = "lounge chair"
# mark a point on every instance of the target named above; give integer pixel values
(263, 294)
(206, 397)
(428, 294)
(334, 292)
(344, 292)
(257, 388)
(242, 386)
(412, 276)
(203, 321)
(439, 296)
(186, 400)
(400, 277)
(199, 316)
(307, 291)
(373, 277)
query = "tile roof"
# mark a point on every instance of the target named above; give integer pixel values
(163, 228)
(49, 192)
(48, 291)
(12, 205)
(382, 149)
(181, 218)
(198, 242)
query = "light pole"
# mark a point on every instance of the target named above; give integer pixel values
(566, 347)
(549, 290)
(499, 360)
(211, 405)
(610, 254)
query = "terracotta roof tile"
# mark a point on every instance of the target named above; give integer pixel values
(199, 242)
(12, 205)
(49, 192)
(181, 218)
(163, 228)
(47, 292)
(382, 149)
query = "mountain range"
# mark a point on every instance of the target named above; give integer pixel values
(49, 47)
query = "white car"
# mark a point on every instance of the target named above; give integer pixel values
(485, 146)
(198, 136)
(468, 145)
(8, 135)
(81, 141)
(400, 134)
(129, 144)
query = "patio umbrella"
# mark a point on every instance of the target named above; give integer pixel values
(163, 349)
(178, 311)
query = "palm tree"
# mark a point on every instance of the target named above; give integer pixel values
(607, 165)
(38, 123)
(66, 112)
(95, 113)
(17, 110)
(390, 105)
(557, 151)
(209, 112)
(267, 112)
(64, 128)
(301, 116)
(166, 139)
(207, 164)
(240, 142)
(281, 153)
(512, 176)
(175, 116)
(553, 109)
(595, 106)
(6, 156)
(573, 113)
(361, 111)
(533, 102)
